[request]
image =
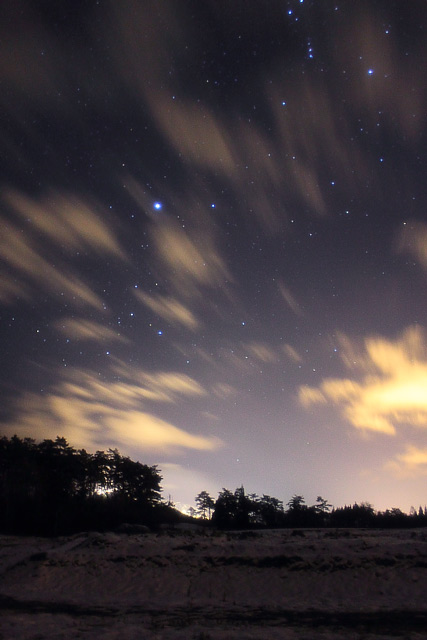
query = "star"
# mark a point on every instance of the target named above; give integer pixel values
(157, 206)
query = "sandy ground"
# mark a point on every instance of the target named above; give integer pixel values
(324, 584)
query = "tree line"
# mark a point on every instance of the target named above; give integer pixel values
(240, 510)
(50, 488)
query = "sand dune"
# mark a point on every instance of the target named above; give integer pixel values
(210, 586)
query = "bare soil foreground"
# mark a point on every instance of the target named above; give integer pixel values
(301, 584)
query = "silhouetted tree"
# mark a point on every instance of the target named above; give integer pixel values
(243, 508)
(271, 511)
(204, 504)
(296, 504)
(359, 515)
(50, 487)
(225, 509)
(321, 512)
(322, 506)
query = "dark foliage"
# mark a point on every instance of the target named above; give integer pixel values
(205, 504)
(241, 511)
(50, 488)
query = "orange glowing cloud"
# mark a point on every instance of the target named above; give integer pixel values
(137, 428)
(91, 412)
(413, 462)
(392, 391)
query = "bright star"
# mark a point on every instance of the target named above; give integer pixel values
(158, 205)
(370, 72)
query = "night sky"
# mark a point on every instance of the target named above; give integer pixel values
(213, 240)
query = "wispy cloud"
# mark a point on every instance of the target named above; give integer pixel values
(396, 91)
(412, 240)
(92, 412)
(261, 351)
(81, 329)
(290, 300)
(291, 353)
(67, 221)
(11, 289)
(170, 309)
(195, 133)
(36, 235)
(223, 390)
(25, 257)
(391, 392)
(189, 262)
(413, 462)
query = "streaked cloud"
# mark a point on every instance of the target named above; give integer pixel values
(412, 240)
(90, 411)
(81, 329)
(290, 299)
(173, 383)
(170, 309)
(67, 221)
(190, 262)
(308, 396)
(34, 237)
(11, 289)
(394, 88)
(413, 462)
(223, 390)
(163, 386)
(391, 393)
(137, 428)
(23, 254)
(195, 133)
(261, 351)
(291, 353)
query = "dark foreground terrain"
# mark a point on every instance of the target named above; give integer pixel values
(301, 584)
